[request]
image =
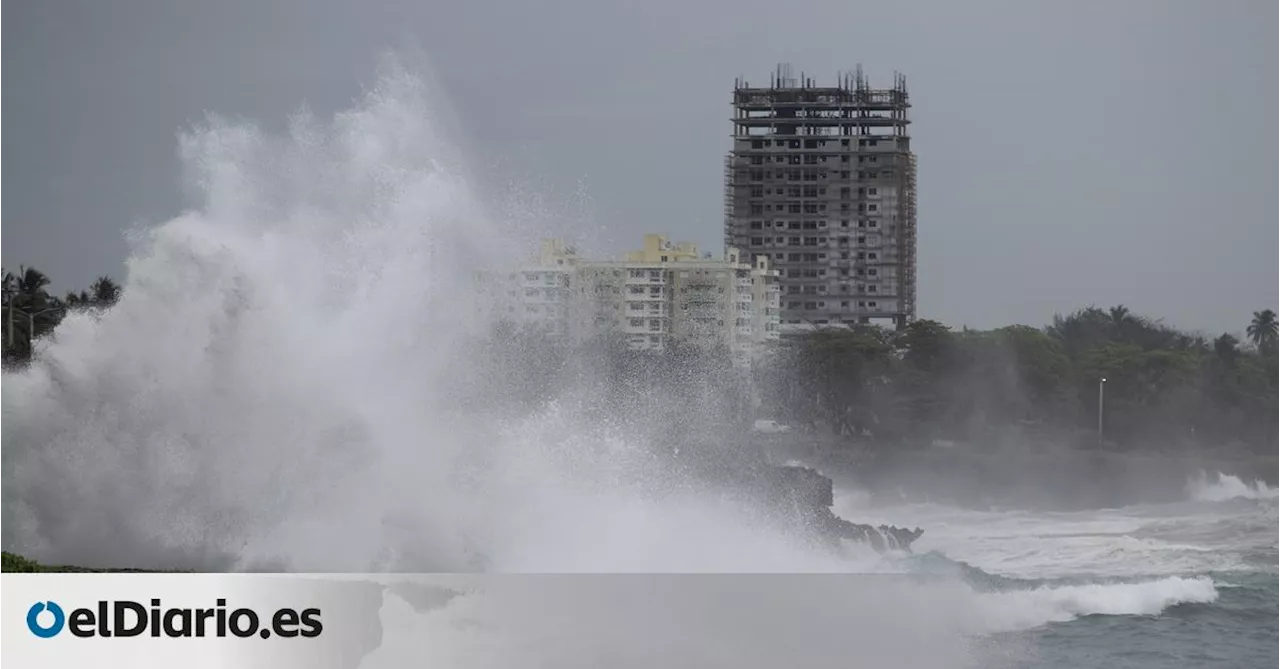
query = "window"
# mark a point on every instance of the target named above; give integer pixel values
(637, 322)
(664, 258)
(757, 241)
(873, 207)
(871, 256)
(873, 191)
(757, 225)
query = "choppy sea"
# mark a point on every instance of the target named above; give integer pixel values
(1186, 584)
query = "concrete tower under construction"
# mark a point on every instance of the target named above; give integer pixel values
(822, 181)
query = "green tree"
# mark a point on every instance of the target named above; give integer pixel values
(1262, 330)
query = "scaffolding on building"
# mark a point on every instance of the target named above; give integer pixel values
(806, 159)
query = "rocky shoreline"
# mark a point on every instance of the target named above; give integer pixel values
(797, 497)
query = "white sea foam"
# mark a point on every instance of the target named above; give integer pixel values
(1223, 487)
(1148, 541)
(1017, 610)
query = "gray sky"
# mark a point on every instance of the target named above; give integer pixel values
(1070, 152)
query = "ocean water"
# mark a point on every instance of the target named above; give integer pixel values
(1186, 584)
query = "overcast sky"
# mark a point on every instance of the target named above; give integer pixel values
(1070, 152)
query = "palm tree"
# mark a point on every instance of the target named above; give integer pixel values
(1262, 331)
(29, 310)
(74, 299)
(105, 292)
(31, 281)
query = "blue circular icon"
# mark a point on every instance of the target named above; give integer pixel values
(33, 619)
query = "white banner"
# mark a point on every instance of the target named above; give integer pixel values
(244, 621)
(188, 620)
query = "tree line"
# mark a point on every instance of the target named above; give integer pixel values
(30, 312)
(1163, 389)
(1096, 378)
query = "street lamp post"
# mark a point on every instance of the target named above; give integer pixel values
(1102, 383)
(31, 320)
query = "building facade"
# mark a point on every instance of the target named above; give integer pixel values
(822, 182)
(662, 295)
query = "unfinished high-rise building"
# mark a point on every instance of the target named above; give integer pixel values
(822, 181)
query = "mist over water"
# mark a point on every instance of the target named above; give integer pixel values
(281, 387)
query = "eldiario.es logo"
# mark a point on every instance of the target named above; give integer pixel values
(125, 618)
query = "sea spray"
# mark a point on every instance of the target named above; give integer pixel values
(281, 385)
(1223, 487)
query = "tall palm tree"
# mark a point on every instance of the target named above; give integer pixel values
(1262, 331)
(29, 311)
(32, 281)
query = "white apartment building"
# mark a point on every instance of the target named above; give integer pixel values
(537, 295)
(662, 295)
